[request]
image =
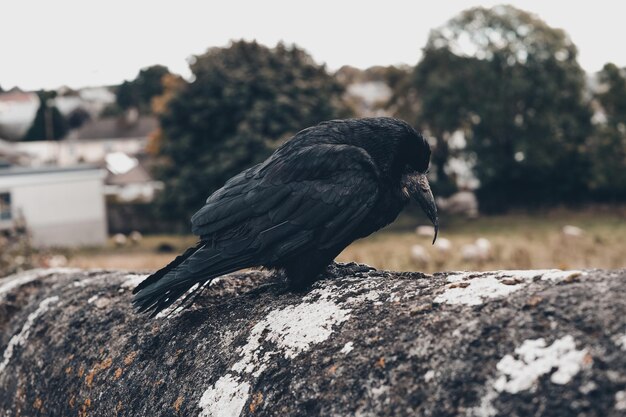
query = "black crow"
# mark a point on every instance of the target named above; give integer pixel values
(327, 186)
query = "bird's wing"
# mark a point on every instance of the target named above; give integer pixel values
(314, 195)
(311, 197)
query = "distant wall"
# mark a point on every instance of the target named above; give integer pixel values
(61, 208)
(70, 152)
(141, 217)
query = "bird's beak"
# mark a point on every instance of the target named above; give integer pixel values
(417, 187)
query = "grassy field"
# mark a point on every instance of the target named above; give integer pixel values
(518, 241)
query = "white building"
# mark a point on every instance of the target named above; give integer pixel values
(61, 206)
(369, 98)
(17, 111)
(92, 142)
(70, 152)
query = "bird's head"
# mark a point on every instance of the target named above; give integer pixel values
(414, 158)
(399, 152)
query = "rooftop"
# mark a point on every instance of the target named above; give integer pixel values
(117, 128)
(5, 172)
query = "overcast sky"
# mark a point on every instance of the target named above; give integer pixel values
(46, 44)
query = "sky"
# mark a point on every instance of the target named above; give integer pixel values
(47, 44)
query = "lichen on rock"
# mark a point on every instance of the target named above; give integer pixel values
(362, 342)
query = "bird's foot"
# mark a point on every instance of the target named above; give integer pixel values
(277, 287)
(279, 284)
(339, 269)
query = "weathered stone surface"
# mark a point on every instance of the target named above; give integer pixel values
(365, 343)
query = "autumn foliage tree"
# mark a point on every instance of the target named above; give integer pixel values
(138, 93)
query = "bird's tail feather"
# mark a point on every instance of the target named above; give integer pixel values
(161, 272)
(161, 289)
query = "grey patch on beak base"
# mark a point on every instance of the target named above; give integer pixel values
(418, 188)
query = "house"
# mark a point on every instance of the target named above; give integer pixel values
(93, 141)
(9, 155)
(93, 100)
(128, 180)
(117, 144)
(96, 99)
(368, 98)
(61, 206)
(367, 91)
(17, 112)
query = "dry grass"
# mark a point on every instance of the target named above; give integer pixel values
(519, 241)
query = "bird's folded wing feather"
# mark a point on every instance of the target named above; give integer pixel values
(312, 197)
(309, 198)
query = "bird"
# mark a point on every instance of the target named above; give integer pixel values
(327, 186)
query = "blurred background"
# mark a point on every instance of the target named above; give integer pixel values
(117, 121)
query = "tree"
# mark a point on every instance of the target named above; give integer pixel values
(49, 123)
(381, 79)
(126, 96)
(608, 144)
(244, 100)
(512, 85)
(77, 117)
(139, 92)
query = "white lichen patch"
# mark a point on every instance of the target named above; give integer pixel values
(620, 340)
(531, 360)
(285, 332)
(224, 399)
(485, 407)
(20, 338)
(132, 280)
(475, 292)
(294, 329)
(290, 330)
(535, 359)
(429, 375)
(347, 348)
(554, 275)
(15, 281)
(95, 275)
(474, 288)
(620, 400)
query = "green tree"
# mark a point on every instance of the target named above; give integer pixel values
(608, 144)
(150, 82)
(139, 92)
(244, 100)
(513, 86)
(49, 123)
(126, 96)
(77, 117)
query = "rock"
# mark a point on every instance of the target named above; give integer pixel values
(165, 247)
(120, 240)
(425, 230)
(572, 231)
(480, 250)
(135, 237)
(443, 245)
(419, 254)
(55, 261)
(484, 245)
(463, 203)
(361, 343)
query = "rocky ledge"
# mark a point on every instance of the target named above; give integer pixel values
(361, 343)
